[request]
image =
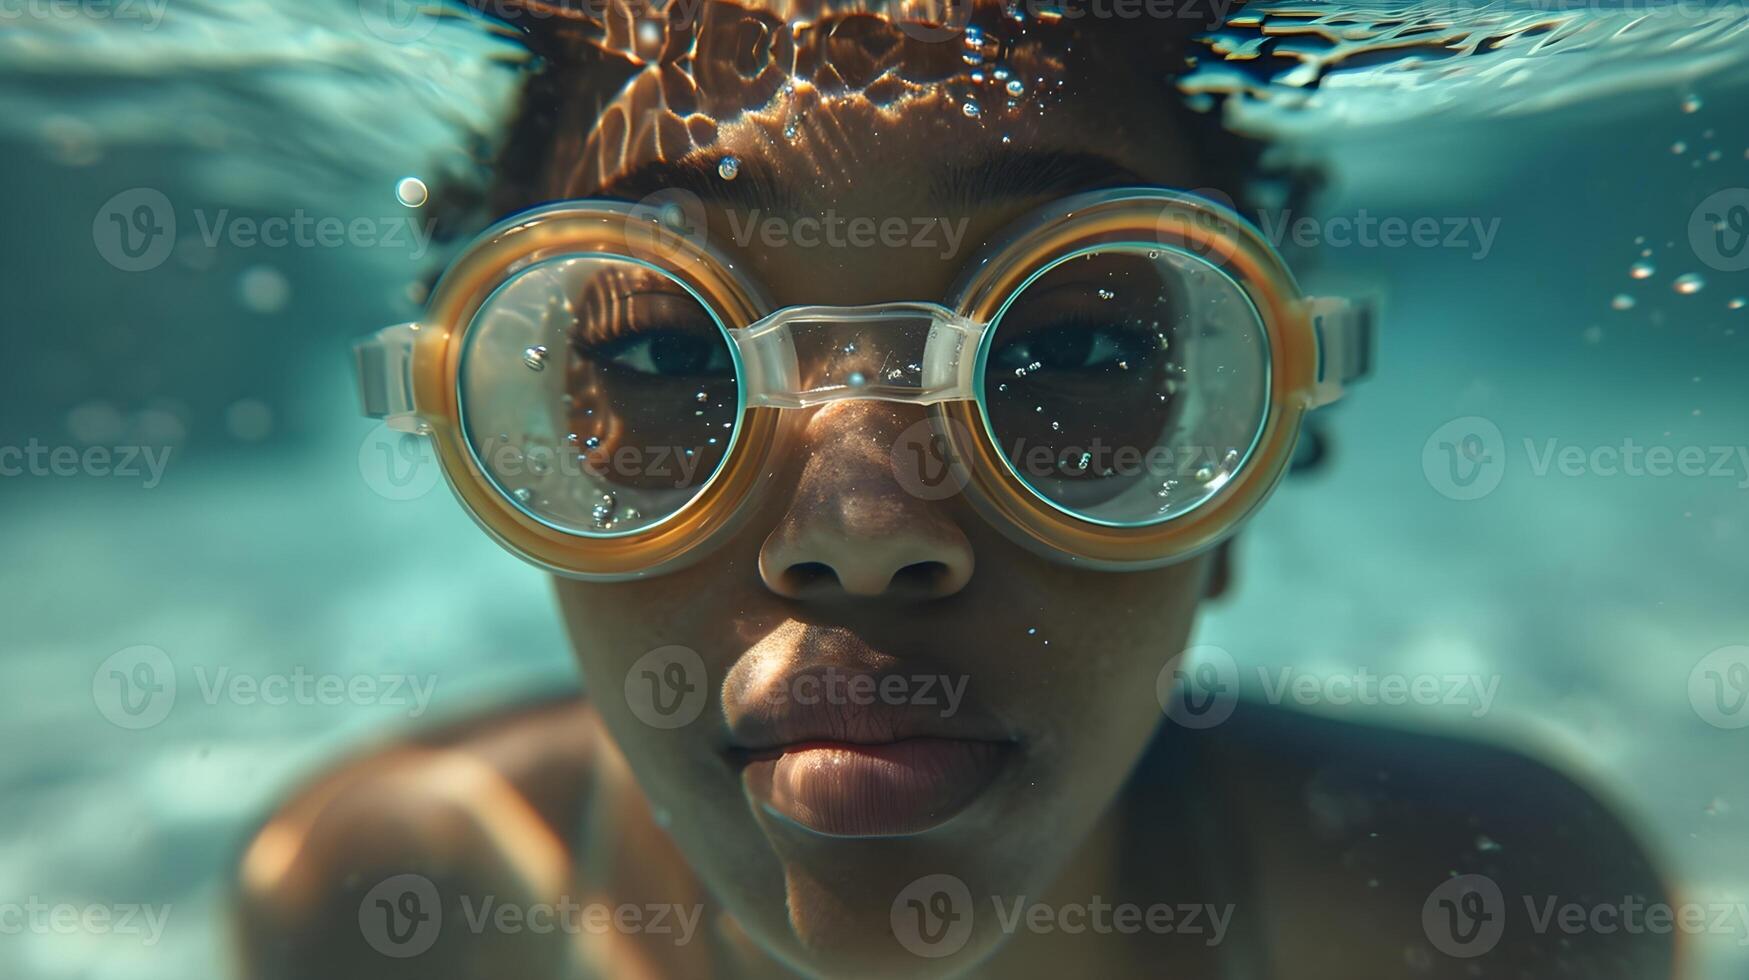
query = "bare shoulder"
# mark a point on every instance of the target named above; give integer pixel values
(343, 879)
(1436, 855)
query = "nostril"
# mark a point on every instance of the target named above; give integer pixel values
(922, 577)
(806, 576)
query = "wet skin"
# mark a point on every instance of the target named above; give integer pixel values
(796, 832)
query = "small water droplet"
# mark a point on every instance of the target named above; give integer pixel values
(1622, 301)
(522, 495)
(1015, 87)
(971, 109)
(1692, 104)
(602, 512)
(412, 192)
(728, 168)
(1737, 303)
(701, 397)
(535, 357)
(1106, 294)
(1689, 283)
(1642, 270)
(1679, 147)
(856, 379)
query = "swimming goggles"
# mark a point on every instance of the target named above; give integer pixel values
(1118, 382)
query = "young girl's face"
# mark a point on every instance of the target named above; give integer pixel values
(881, 686)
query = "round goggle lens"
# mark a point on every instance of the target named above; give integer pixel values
(1127, 383)
(598, 394)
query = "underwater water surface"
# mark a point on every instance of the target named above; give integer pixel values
(1569, 298)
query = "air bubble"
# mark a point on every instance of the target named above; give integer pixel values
(1692, 104)
(1642, 270)
(1689, 283)
(1106, 294)
(971, 109)
(412, 192)
(603, 511)
(1015, 87)
(535, 357)
(1737, 303)
(728, 168)
(1622, 301)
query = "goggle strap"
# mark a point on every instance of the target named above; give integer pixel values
(1347, 341)
(384, 365)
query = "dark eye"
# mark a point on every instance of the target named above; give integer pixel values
(1072, 347)
(650, 335)
(667, 354)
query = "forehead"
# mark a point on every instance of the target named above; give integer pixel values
(823, 121)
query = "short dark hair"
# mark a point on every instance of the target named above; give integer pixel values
(576, 69)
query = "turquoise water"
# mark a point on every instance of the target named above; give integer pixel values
(272, 540)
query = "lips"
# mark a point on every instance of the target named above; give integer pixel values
(848, 789)
(842, 741)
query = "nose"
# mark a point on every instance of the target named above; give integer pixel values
(851, 528)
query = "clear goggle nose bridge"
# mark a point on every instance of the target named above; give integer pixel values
(911, 353)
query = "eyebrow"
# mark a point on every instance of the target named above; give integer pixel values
(1002, 175)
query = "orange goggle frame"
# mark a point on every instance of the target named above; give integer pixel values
(410, 374)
